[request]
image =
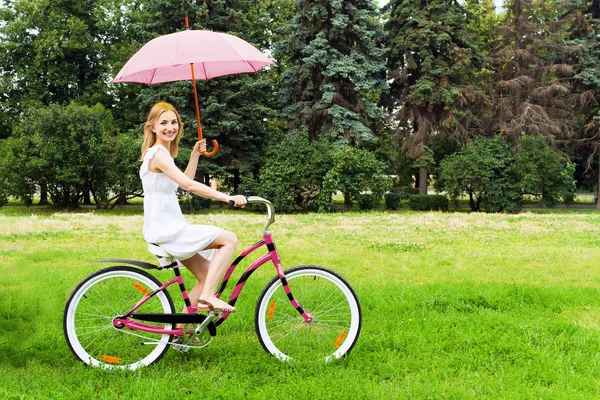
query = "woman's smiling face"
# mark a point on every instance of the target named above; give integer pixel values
(166, 127)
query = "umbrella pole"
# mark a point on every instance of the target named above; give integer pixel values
(215, 144)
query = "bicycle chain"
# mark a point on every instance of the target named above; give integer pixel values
(176, 346)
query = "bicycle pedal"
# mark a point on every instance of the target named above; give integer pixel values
(181, 348)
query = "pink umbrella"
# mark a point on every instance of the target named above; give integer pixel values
(191, 55)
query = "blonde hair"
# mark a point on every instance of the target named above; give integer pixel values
(150, 137)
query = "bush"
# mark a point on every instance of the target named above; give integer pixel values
(396, 195)
(425, 202)
(356, 172)
(495, 176)
(392, 200)
(368, 201)
(191, 203)
(545, 173)
(487, 170)
(293, 172)
(67, 150)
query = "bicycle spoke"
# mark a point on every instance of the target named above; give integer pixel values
(322, 294)
(102, 297)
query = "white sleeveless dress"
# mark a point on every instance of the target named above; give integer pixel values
(164, 223)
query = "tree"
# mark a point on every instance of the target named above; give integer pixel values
(532, 90)
(358, 175)
(336, 72)
(431, 63)
(68, 149)
(293, 172)
(50, 52)
(588, 83)
(55, 52)
(486, 169)
(495, 176)
(545, 173)
(483, 20)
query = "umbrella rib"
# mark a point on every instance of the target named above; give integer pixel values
(153, 73)
(204, 69)
(251, 66)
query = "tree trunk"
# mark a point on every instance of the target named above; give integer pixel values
(43, 195)
(598, 188)
(236, 180)
(423, 173)
(87, 199)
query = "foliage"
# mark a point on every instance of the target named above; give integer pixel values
(482, 20)
(392, 200)
(367, 201)
(4, 177)
(336, 70)
(358, 175)
(55, 52)
(191, 203)
(293, 172)
(495, 176)
(122, 166)
(545, 173)
(533, 63)
(487, 170)
(68, 149)
(425, 202)
(587, 80)
(400, 191)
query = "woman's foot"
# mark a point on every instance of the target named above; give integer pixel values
(215, 304)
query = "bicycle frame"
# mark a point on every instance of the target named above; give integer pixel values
(191, 316)
(272, 256)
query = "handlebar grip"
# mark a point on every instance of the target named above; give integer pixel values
(231, 204)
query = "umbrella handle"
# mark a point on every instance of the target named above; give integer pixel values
(212, 153)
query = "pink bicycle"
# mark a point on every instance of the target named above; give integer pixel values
(123, 317)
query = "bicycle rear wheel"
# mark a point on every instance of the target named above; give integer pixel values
(327, 297)
(93, 305)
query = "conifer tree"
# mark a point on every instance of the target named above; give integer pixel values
(336, 72)
(588, 83)
(534, 67)
(432, 63)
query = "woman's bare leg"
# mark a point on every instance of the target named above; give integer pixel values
(198, 266)
(209, 275)
(226, 242)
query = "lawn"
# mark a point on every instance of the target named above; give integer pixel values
(455, 305)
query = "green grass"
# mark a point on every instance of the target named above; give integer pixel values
(455, 305)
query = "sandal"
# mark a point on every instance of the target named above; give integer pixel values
(212, 308)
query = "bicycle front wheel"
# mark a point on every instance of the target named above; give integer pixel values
(327, 297)
(96, 301)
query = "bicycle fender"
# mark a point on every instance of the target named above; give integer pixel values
(141, 264)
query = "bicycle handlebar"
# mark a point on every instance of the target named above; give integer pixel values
(270, 209)
(260, 200)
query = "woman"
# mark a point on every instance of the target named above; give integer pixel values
(164, 223)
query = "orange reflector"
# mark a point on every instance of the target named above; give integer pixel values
(271, 310)
(340, 339)
(110, 359)
(140, 288)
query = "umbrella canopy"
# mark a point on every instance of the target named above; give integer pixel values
(168, 58)
(191, 55)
